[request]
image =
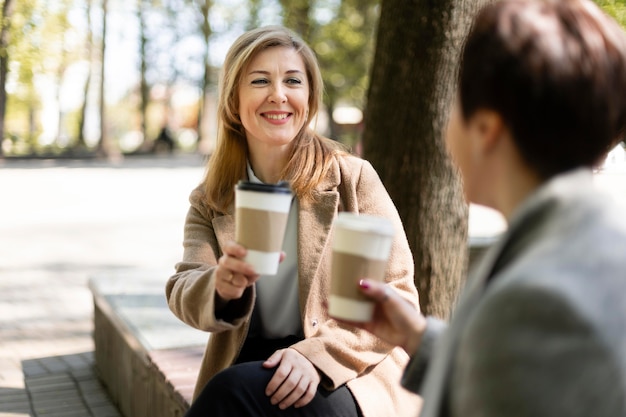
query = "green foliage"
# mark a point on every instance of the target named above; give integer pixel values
(616, 8)
(345, 50)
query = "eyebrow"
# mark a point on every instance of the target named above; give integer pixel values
(263, 72)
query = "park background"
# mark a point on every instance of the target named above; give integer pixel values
(112, 79)
(89, 85)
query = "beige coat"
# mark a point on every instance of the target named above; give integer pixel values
(371, 369)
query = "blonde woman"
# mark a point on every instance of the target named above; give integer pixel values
(273, 350)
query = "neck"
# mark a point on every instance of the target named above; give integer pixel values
(507, 180)
(268, 166)
(517, 189)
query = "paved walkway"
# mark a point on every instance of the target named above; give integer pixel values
(61, 223)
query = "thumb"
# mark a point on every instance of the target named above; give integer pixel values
(273, 360)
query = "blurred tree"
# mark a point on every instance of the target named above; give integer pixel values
(5, 27)
(254, 9)
(203, 7)
(144, 87)
(28, 48)
(412, 84)
(80, 137)
(345, 47)
(172, 10)
(105, 147)
(296, 17)
(55, 30)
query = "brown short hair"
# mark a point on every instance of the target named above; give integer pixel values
(555, 70)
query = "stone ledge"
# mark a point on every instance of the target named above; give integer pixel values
(147, 359)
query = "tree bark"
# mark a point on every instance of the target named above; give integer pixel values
(413, 81)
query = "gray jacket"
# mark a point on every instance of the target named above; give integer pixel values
(540, 330)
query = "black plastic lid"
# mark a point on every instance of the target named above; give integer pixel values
(282, 187)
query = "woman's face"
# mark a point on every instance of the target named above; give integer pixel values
(274, 97)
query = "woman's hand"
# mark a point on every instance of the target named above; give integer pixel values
(233, 275)
(395, 320)
(295, 380)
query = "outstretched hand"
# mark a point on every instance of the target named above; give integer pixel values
(233, 275)
(395, 320)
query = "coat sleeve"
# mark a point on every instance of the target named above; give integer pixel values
(190, 291)
(340, 351)
(532, 351)
(415, 371)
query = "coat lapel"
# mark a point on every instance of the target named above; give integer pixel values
(315, 221)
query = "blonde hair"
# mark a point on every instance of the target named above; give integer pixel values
(311, 154)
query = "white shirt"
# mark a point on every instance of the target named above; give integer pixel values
(277, 303)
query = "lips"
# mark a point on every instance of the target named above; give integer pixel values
(276, 116)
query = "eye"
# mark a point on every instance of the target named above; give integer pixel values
(260, 81)
(294, 81)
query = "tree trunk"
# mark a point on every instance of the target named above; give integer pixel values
(207, 31)
(5, 26)
(105, 146)
(144, 88)
(80, 140)
(413, 81)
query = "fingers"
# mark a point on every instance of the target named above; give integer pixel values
(294, 382)
(273, 360)
(377, 291)
(233, 275)
(233, 260)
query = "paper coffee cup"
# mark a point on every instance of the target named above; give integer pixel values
(261, 213)
(361, 247)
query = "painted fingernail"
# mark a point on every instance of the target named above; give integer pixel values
(364, 284)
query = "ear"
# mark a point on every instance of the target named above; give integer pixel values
(487, 127)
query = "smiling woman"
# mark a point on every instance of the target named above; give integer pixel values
(273, 350)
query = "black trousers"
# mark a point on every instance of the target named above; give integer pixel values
(239, 391)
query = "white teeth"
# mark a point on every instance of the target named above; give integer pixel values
(277, 116)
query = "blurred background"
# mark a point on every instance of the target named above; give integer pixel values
(107, 116)
(116, 77)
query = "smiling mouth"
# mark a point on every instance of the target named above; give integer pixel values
(281, 116)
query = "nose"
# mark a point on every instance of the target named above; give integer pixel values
(277, 95)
